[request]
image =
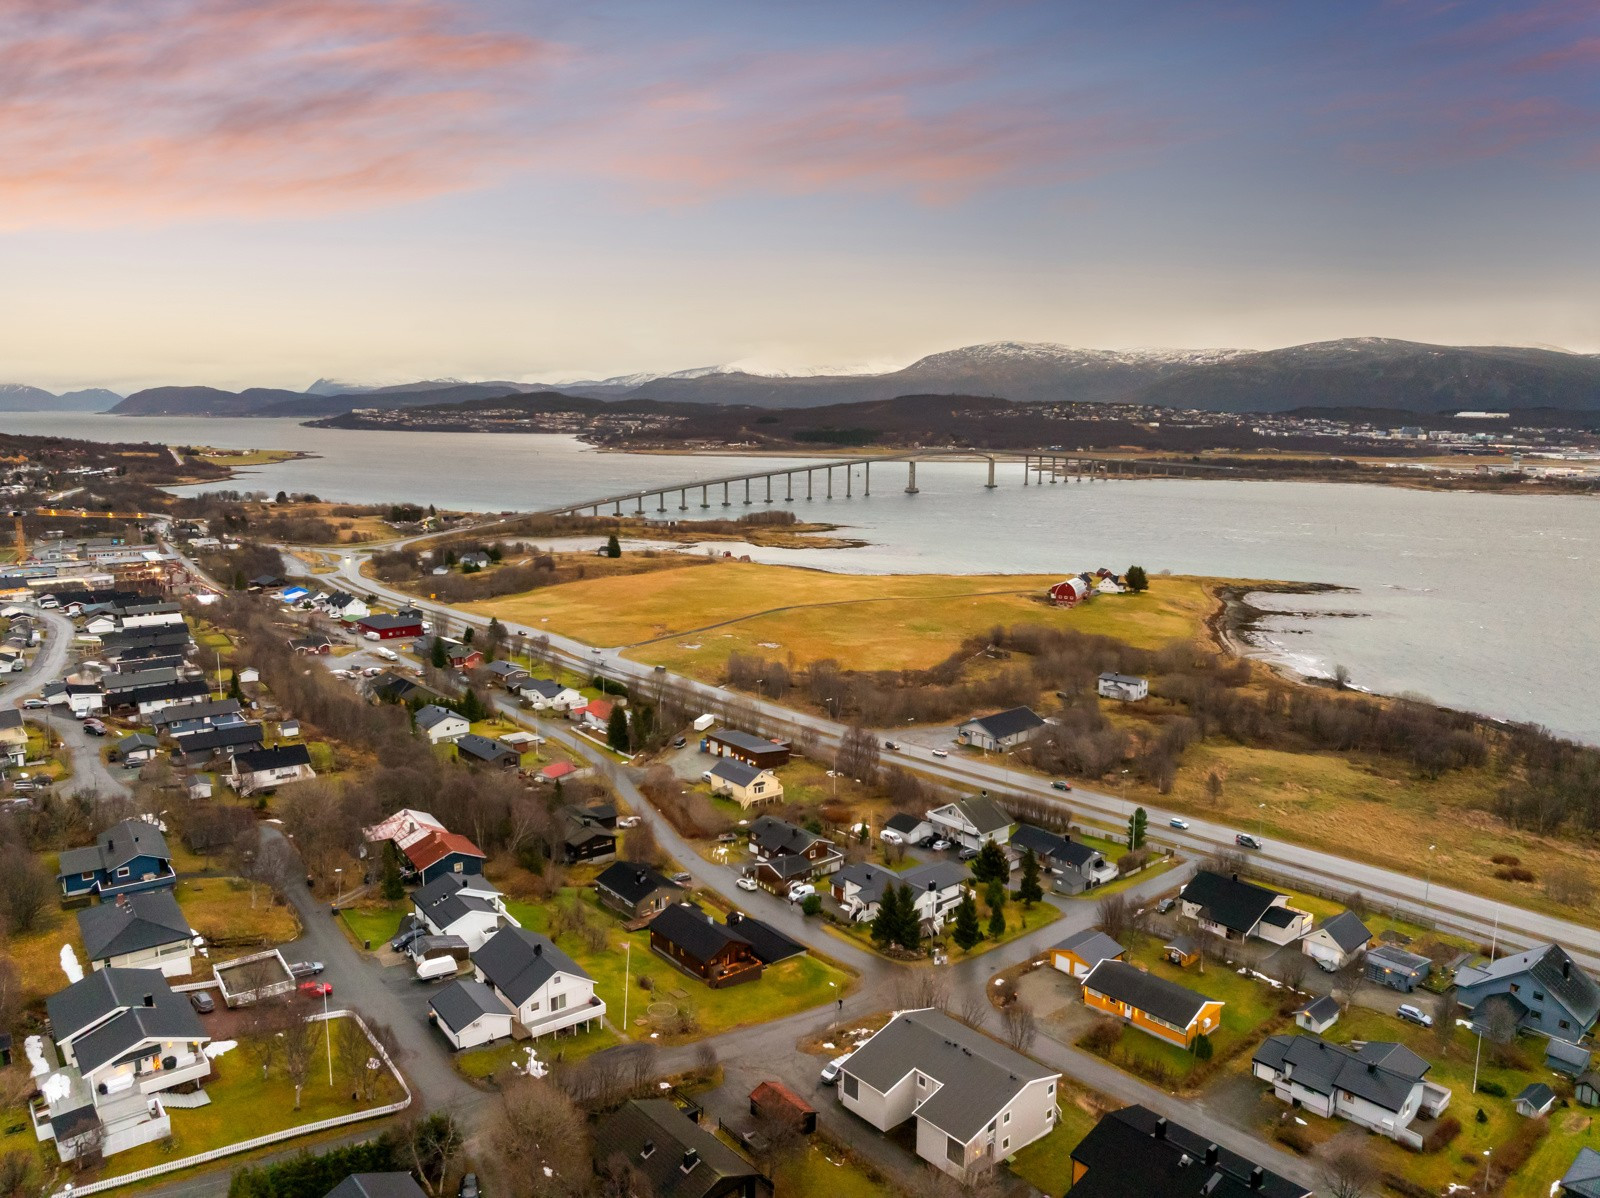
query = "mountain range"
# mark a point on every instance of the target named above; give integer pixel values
(19, 397)
(1363, 372)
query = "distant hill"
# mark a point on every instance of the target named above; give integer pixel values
(201, 401)
(268, 401)
(20, 397)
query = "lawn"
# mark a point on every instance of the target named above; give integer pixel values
(823, 1171)
(220, 909)
(1046, 1164)
(377, 924)
(38, 953)
(790, 986)
(244, 1106)
(1570, 1130)
(486, 1062)
(871, 621)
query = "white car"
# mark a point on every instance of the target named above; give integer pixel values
(890, 836)
(1177, 822)
(746, 882)
(830, 1071)
(940, 753)
(801, 891)
(628, 821)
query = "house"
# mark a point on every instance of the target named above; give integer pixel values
(83, 699)
(596, 715)
(1395, 968)
(1164, 1009)
(770, 945)
(1562, 1056)
(377, 1185)
(463, 657)
(1235, 910)
(544, 988)
(138, 931)
(391, 688)
(1070, 867)
(403, 827)
(556, 771)
(185, 719)
(716, 954)
(122, 1038)
(289, 729)
(776, 1102)
(150, 615)
(1535, 1100)
(475, 559)
(1078, 954)
(312, 645)
(1318, 1015)
(441, 725)
(1136, 1153)
(752, 750)
(469, 1013)
(541, 694)
(785, 853)
(635, 891)
(1337, 941)
(129, 856)
(1582, 1178)
(677, 1156)
(480, 750)
(198, 786)
(507, 673)
(438, 853)
(1542, 987)
(342, 605)
(225, 739)
(463, 905)
(1002, 731)
(970, 822)
(13, 737)
(137, 747)
(294, 594)
(264, 769)
(744, 784)
(1126, 687)
(582, 837)
(912, 829)
(1379, 1086)
(973, 1099)
(935, 891)
(390, 628)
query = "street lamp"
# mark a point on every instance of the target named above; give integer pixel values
(627, 976)
(338, 882)
(1427, 879)
(1261, 821)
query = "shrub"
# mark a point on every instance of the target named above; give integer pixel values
(1505, 859)
(812, 904)
(1294, 1137)
(1103, 1035)
(1514, 873)
(1441, 1136)
(1495, 1089)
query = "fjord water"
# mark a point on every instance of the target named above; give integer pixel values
(1478, 601)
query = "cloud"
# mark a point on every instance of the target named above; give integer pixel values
(113, 112)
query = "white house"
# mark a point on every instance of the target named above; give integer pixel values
(151, 615)
(541, 694)
(935, 891)
(464, 905)
(744, 784)
(145, 930)
(441, 725)
(1125, 687)
(1337, 941)
(1237, 910)
(543, 987)
(974, 1100)
(262, 769)
(970, 822)
(469, 1013)
(1379, 1086)
(342, 605)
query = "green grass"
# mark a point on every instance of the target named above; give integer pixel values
(377, 924)
(1570, 1130)
(1046, 1164)
(826, 1172)
(790, 986)
(220, 909)
(483, 1063)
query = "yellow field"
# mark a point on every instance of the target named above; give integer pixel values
(691, 619)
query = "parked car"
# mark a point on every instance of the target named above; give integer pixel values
(940, 753)
(1166, 905)
(1060, 785)
(746, 882)
(682, 878)
(967, 854)
(679, 742)
(306, 969)
(201, 1002)
(890, 836)
(316, 989)
(1246, 841)
(94, 727)
(403, 941)
(801, 891)
(469, 1186)
(939, 844)
(830, 1071)
(889, 744)
(1414, 1015)
(1178, 822)
(628, 821)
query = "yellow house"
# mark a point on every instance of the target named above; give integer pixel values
(746, 785)
(1164, 1009)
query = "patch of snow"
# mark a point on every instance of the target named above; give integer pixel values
(217, 1047)
(1301, 1121)
(56, 1087)
(70, 966)
(34, 1046)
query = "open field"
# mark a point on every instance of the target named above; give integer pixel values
(869, 621)
(38, 953)
(1047, 1163)
(823, 1171)
(483, 1063)
(377, 923)
(220, 910)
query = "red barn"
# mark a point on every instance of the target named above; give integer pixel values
(387, 628)
(1069, 592)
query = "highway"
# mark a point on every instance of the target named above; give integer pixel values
(1450, 909)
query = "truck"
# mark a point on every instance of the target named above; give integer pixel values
(702, 723)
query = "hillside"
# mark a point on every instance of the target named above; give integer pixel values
(20, 397)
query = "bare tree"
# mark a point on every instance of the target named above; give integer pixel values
(1114, 915)
(536, 1143)
(1290, 967)
(10, 993)
(298, 1047)
(858, 754)
(1021, 1025)
(915, 989)
(26, 889)
(1444, 1021)
(974, 1006)
(433, 1143)
(1498, 1019)
(640, 846)
(1347, 1169)
(17, 1175)
(359, 1062)
(621, 1178)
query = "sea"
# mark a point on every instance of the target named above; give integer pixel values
(1483, 602)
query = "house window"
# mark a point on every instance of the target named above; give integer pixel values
(1005, 1144)
(1052, 1090)
(851, 1089)
(955, 1151)
(1565, 1026)
(456, 868)
(87, 877)
(922, 1082)
(1537, 997)
(558, 1002)
(1516, 989)
(123, 872)
(1007, 1119)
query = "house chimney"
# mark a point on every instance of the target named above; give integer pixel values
(538, 949)
(149, 1000)
(1566, 967)
(691, 1158)
(1211, 1154)
(1258, 1177)
(1235, 877)
(1160, 1132)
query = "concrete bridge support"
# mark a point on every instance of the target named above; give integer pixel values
(618, 512)
(640, 510)
(1027, 464)
(830, 482)
(808, 486)
(726, 502)
(987, 486)
(1053, 479)
(911, 476)
(683, 499)
(705, 500)
(769, 488)
(866, 485)
(661, 501)
(747, 492)
(789, 482)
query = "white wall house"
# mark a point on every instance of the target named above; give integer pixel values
(1337, 941)
(1125, 687)
(441, 725)
(970, 822)
(464, 905)
(469, 1013)
(146, 930)
(1379, 1086)
(542, 986)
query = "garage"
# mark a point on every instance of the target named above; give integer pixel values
(469, 1014)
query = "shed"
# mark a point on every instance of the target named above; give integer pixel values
(1563, 1056)
(774, 1100)
(1536, 1099)
(1182, 951)
(1079, 953)
(1396, 968)
(1587, 1088)
(1318, 1015)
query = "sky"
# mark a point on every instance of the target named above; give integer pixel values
(263, 192)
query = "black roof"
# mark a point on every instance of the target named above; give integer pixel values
(106, 991)
(1044, 844)
(747, 743)
(771, 945)
(132, 923)
(485, 749)
(779, 836)
(227, 736)
(171, 691)
(377, 1185)
(1002, 724)
(115, 847)
(463, 1002)
(1166, 1000)
(630, 882)
(277, 758)
(692, 930)
(903, 823)
(1379, 1071)
(518, 962)
(1237, 906)
(1346, 930)
(1136, 1153)
(655, 1137)
(388, 621)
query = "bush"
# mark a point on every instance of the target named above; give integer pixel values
(1494, 1089)
(1294, 1137)
(1441, 1136)
(1505, 859)
(1103, 1035)
(1515, 873)
(812, 905)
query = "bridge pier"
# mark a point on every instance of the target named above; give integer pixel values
(683, 499)
(911, 477)
(808, 485)
(789, 482)
(830, 482)
(661, 501)
(726, 502)
(987, 486)
(866, 486)
(769, 488)
(1027, 460)
(705, 501)
(618, 510)
(640, 510)
(1053, 471)
(849, 479)
(747, 492)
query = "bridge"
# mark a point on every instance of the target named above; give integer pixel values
(1039, 467)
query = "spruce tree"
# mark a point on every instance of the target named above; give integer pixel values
(393, 888)
(967, 933)
(617, 730)
(234, 690)
(1137, 823)
(909, 929)
(613, 547)
(439, 656)
(990, 863)
(1030, 892)
(886, 924)
(997, 921)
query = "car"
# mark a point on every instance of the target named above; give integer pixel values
(34, 705)
(1177, 822)
(94, 729)
(830, 1071)
(939, 844)
(940, 753)
(316, 989)
(201, 1002)
(1325, 965)
(305, 969)
(1246, 841)
(469, 1186)
(679, 742)
(801, 891)
(746, 882)
(1414, 1015)
(1060, 785)
(1165, 905)
(403, 941)
(889, 744)
(682, 878)
(628, 821)
(705, 776)
(596, 652)
(968, 854)
(890, 836)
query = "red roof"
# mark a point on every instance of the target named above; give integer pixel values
(600, 708)
(776, 1091)
(436, 846)
(558, 769)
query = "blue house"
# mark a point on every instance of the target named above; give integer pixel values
(1543, 989)
(131, 856)
(440, 853)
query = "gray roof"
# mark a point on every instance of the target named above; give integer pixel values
(1566, 1052)
(1380, 1072)
(1092, 945)
(1167, 1001)
(1320, 1010)
(1537, 1095)
(1125, 679)
(1397, 960)
(137, 740)
(443, 901)
(116, 847)
(1347, 930)
(433, 714)
(1582, 1178)
(936, 875)
(168, 1016)
(377, 1185)
(131, 924)
(736, 772)
(543, 687)
(195, 711)
(692, 930)
(631, 882)
(518, 962)
(1003, 724)
(504, 668)
(733, 738)
(1552, 969)
(977, 1076)
(485, 749)
(904, 823)
(779, 836)
(10, 717)
(983, 814)
(872, 880)
(653, 1136)
(463, 1001)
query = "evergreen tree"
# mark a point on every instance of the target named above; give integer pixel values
(997, 922)
(995, 894)
(438, 656)
(467, 634)
(990, 863)
(908, 927)
(235, 691)
(239, 581)
(393, 888)
(966, 933)
(886, 924)
(617, 730)
(1136, 579)
(1202, 1047)
(1137, 823)
(1030, 892)
(613, 547)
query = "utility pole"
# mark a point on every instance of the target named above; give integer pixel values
(627, 976)
(327, 1025)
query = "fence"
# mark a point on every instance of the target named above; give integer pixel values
(277, 1137)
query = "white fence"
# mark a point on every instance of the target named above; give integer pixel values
(276, 1137)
